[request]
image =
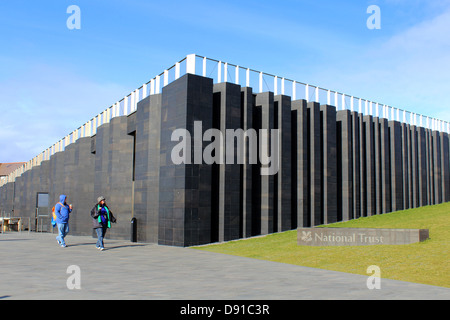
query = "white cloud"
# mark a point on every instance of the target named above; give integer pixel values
(410, 70)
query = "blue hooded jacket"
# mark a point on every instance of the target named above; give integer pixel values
(62, 212)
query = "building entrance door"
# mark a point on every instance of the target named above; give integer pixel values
(42, 215)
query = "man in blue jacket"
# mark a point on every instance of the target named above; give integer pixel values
(62, 211)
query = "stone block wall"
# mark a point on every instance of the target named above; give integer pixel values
(333, 165)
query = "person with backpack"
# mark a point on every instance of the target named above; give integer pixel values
(101, 219)
(62, 212)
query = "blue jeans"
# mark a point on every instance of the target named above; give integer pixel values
(101, 232)
(63, 230)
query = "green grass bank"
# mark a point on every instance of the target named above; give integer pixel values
(425, 262)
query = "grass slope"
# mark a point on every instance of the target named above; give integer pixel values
(426, 262)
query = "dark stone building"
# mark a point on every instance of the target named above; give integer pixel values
(332, 166)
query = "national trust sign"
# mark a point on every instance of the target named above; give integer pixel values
(359, 236)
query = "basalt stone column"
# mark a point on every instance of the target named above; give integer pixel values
(430, 167)
(256, 174)
(28, 198)
(344, 168)
(414, 168)
(406, 146)
(11, 190)
(17, 203)
(369, 138)
(3, 198)
(427, 167)
(396, 165)
(28, 201)
(31, 196)
(282, 119)
(113, 173)
(410, 166)
(38, 187)
(385, 169)
(69, 181)
(249, 214)
(101, 174)
(44, 183)
(227, 115)
(300, 183)
(56, 181)
(146, 172)
(82, 187)
(422, 166)
(362, 165)
(445, 167)
(35, 174)
(314, 164)
(329, 167)
(437, 167)
(41, 185)
(265, 103)
(185, 189)
(377, 152)
(356, 167)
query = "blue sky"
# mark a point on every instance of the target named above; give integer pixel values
(52, 79)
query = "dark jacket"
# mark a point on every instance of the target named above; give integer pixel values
(97, 219)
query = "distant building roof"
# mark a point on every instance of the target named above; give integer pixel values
(7, 168)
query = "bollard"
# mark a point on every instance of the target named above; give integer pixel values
(133, 230)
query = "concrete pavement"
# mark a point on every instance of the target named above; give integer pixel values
(33, 266)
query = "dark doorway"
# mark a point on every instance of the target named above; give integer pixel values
(42, 214)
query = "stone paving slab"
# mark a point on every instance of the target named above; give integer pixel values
(33, 266)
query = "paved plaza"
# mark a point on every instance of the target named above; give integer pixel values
(33, 266)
